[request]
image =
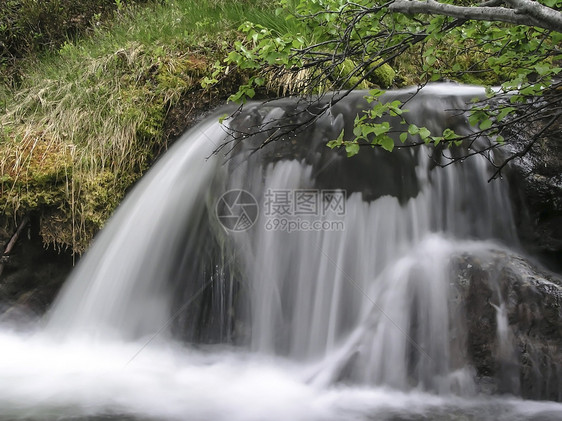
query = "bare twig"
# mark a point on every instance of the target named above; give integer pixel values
(11, 244)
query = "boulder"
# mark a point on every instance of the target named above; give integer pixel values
(513, 313)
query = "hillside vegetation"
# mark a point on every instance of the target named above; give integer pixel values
(84, 118)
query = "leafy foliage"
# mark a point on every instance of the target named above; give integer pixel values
(522, 61)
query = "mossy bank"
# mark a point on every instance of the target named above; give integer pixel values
(88, 118)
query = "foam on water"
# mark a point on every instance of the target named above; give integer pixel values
(43, 379)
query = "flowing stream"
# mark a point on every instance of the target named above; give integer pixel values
(285, 283)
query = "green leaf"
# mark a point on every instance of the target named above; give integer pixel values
(449, 134)
(336, 143)
(403, 137)
(504, 112)
(486, 124)
(550, 3)
(431, 60)
(542, 69)
(424, 133)
(413, 129)
(429, 52)
(474, 118)
(387, 143)
(379, 129)
(206, 82)
(333, 144)
(531, 90)
(352, 149)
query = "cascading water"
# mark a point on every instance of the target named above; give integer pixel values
(283, 283)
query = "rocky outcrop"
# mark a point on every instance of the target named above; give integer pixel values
(514, 324)
(537, 195)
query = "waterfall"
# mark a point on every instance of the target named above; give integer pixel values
(119, 288)
(284, 282)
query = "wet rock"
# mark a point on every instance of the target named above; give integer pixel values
(537, 195)
(526, 359)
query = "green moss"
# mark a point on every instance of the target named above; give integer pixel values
(382, 76)
(40, 181)
(35, 197)
(151, 125)
(348, 70)
(99, 197)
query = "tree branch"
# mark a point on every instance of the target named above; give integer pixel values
(539, 11)
(526, 12)
(12, 242)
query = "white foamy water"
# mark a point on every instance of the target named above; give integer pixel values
(45, 379)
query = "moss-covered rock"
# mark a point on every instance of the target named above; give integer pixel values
(351, 72)
(383, 75)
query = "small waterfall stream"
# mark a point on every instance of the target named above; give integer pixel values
(284, 283)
